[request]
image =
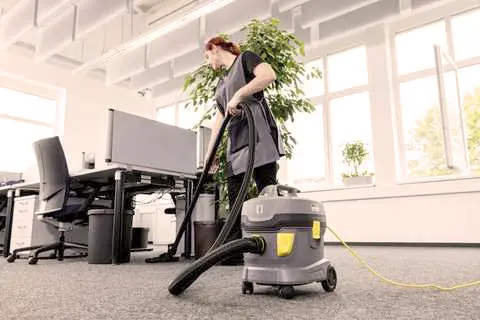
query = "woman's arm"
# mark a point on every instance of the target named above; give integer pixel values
(264, 76)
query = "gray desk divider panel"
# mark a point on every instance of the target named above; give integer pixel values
(203, 140)
(138, 141)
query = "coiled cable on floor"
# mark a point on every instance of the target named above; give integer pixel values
(397, 283)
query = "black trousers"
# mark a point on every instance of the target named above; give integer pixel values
(264, 176)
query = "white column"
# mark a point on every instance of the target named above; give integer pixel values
(381, 106)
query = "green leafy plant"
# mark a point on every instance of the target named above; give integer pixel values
(425, 140)
(285, 95)
(354, 154)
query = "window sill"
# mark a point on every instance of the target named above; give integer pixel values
(337, 188)
(431, 187)
(440, 179)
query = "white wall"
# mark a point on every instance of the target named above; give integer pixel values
(430, 212)
(450, 218)
(86, 102)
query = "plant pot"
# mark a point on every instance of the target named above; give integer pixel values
(358, 181)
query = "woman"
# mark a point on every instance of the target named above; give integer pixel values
(246, 78)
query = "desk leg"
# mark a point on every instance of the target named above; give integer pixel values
(118, 219)
(8, 224)
(188, 230)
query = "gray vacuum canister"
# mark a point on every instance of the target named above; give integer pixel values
(293, 229)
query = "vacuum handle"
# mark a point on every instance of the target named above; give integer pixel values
(276, 190)
(290, 190)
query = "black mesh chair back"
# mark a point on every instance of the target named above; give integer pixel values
(53, 174)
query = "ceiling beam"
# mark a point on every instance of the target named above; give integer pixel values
(167, 8)
(318, 17)
(405, 5)
(170, 24)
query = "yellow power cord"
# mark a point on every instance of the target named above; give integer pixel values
(396, 283)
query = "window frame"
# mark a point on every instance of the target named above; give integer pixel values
(410, 24)
(324, 100)
(31, 87)
(26, 86)
(329, 96)
(173, 105)
(177, 104)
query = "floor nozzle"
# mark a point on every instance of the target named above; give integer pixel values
(164, 257)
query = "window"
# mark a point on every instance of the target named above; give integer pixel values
(33, 108)
(422, 124)
(424, 143)
(414, 48)
(27, 118)
(306, 168)
(465, 28)
(350, 121)
(177, 115)
(470, 100)
(188, 118)
(314, 87)
(422, 128)
(167, 114)
(347, 69)
(348, 109)
(212, 110)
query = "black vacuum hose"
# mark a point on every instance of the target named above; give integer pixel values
(188, 276)
(237, 206)
(235, 210)
(172, 249)
(219, 251)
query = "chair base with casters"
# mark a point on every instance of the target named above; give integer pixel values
(58, 248)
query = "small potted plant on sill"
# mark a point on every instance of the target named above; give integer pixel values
(354, 154)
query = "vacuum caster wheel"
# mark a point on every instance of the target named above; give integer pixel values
(330, 283)
(11, 258)
(247, 287)
(32, 260)
(286, 292)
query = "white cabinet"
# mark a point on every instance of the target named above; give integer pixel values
(151, 215)
(27, 230)
(164, 231)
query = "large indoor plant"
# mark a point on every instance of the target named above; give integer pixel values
(354, 154)
(285, 96)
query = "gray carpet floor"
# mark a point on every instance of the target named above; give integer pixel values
(74, 289)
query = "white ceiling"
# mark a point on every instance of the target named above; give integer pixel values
(78, 32)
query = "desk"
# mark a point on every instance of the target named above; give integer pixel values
(119, 182)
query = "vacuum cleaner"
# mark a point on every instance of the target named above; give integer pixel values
(283, 245)
(293, 230)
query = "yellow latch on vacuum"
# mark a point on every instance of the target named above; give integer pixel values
(316, 234)
(285, 244)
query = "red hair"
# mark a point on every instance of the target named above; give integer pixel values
(231, 47)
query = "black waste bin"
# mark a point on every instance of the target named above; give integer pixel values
(100, 233)
(205, 234)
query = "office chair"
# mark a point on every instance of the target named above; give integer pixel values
(58, 205)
